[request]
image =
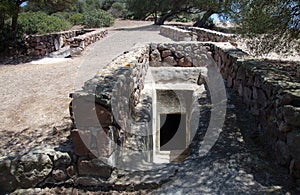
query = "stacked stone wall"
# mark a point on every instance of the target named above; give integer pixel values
(43, 45)
(184, 54)
(271, 91)
(102, 111)
(175, 33)
(183, 33)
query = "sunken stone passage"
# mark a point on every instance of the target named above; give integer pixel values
(113, 113)
(270, 89)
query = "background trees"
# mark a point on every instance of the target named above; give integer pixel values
(266, 16)
(252, 17)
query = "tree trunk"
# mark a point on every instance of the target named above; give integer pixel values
(14, 21)
(2, 20)
(201, 22)
(161, 20)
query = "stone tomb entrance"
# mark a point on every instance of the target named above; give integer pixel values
(175, 110)
(173, 128)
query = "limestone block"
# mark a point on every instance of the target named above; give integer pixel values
(91, 143)
(94, 168)
(31, 169)
(87, 113)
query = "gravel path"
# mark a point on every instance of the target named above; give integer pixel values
(35, 97)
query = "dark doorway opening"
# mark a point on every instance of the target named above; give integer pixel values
(172, 132)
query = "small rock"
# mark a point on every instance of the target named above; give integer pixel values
(184, 62)
(8, 182)
(170, 61)
(71, 171)
(59, 175)
(166, 53)
(31, 169)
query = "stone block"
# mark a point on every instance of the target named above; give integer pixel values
(95, 168)
(94, 143)
(59, 175)
(8, 181)
(185, 62)
(166, 53)
(87, 113)
(71, 171)
(169, 61)
(155, 57)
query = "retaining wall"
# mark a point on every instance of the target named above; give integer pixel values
(103, 108)
(271, 91)
(42, 45)
(183, 33)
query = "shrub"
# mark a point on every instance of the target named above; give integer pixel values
(76, 19)
(62, 15)
(97, 19)
(118, 10)
(41, 23)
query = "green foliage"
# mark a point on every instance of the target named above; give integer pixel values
(118, 10)
(76, 19)
(97, 19)
(50, 6)
(62, 15)
(41, 23)
(267, 16)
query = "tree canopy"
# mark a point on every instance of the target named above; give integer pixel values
(255, 16)
(267, 16)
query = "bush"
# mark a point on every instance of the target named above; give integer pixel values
(41, 23)
(76, 19)
(97, 19)
(62, 15)
(118, 10)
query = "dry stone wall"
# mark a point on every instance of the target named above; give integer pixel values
(185, 54)
(272, 94)
(175, 33)
(204, 35)
(42, 45)
(182, 33)
(102, 110)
